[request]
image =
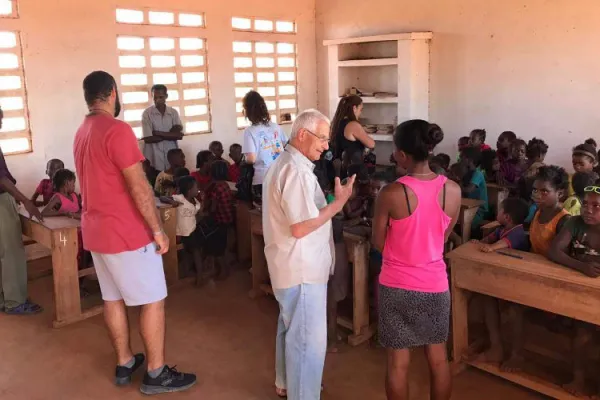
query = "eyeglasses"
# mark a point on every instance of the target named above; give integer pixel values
(595, 189)
(322, 139)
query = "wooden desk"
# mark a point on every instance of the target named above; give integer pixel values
(468, 209)
(533, 281)
(358, 254)
(59, 234)
(496, 195)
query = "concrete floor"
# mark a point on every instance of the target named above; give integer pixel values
(222, 335)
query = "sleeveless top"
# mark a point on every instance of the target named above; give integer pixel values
(541, 235)
(68, 204)
(413, 255)
(343, 144)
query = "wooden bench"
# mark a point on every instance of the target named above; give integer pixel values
(39, 260)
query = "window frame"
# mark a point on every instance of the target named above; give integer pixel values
(14, 10)
(148, 10)
(21, 92)
(276, 83)
(274, 21)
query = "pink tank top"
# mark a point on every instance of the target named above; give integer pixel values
(68, 204)
(413, 255)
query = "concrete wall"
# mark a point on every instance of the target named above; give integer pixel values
(530, 66)
(66, 39)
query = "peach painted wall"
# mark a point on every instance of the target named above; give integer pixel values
(66, 39)
(530, 66)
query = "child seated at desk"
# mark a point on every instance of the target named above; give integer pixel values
(66, 202)
(536, 153)
(236, 155)
(577, 246)
(188, 213)
(473, 184)
(584, 159)
(549, 186)
(580, 181)
(503, 145)
(218, 203)
(204, 159)
(525, 191)
(463, 143)
(357, 205)
(477, 139)
(46, 186)
(513, 168)
(511, 234)
(165, 181)
(490, 165)
(216, 148)
(151, 172)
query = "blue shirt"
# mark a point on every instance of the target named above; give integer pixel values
(267, 142)
(516, 238)
(479, 193)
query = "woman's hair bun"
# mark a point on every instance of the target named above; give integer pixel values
(592, 142)
(433, 136)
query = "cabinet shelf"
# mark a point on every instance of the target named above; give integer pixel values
(382, 138)
(372, 62)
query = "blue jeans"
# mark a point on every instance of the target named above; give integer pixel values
(301, 341)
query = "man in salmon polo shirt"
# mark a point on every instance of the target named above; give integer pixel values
(122, 230)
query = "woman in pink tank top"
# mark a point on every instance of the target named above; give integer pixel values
(413, 218)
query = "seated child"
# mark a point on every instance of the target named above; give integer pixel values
(503, 145)
(577, 246)
(473, 184)
(510, 235)
(549, 186)
(236, 155)
(580, 181)
(525, 191)
(513, 168)
(444, 160)
(165, 181)
(66, 202)
(477, 139)
(46, 187)
(150, 171)
(204, 159)
(188, 213)
(463, 143)
(357, 205)
(348, 159)
(584, 159)
(377, 182)
(536, 153)
(216, 148)
(490, 165)
(436, 165)
(219, 205)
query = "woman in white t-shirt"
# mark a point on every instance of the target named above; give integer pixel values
(264, 140)
(188, 213)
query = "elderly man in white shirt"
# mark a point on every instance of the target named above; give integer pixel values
(300, 254)
(161, 127)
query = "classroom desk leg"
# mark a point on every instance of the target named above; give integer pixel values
(466, 220)
(460, 334)
(260, 271)
(66, 278)
(170, 261)
(361, 330)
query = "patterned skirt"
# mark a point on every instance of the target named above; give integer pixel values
(410, 319)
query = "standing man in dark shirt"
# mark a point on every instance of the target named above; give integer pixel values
(13, 262)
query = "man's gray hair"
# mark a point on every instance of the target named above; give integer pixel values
(309, 120)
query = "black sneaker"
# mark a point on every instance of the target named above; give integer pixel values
(123, 374)
(169, 380)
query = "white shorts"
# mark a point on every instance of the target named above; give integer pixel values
(136, 277)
